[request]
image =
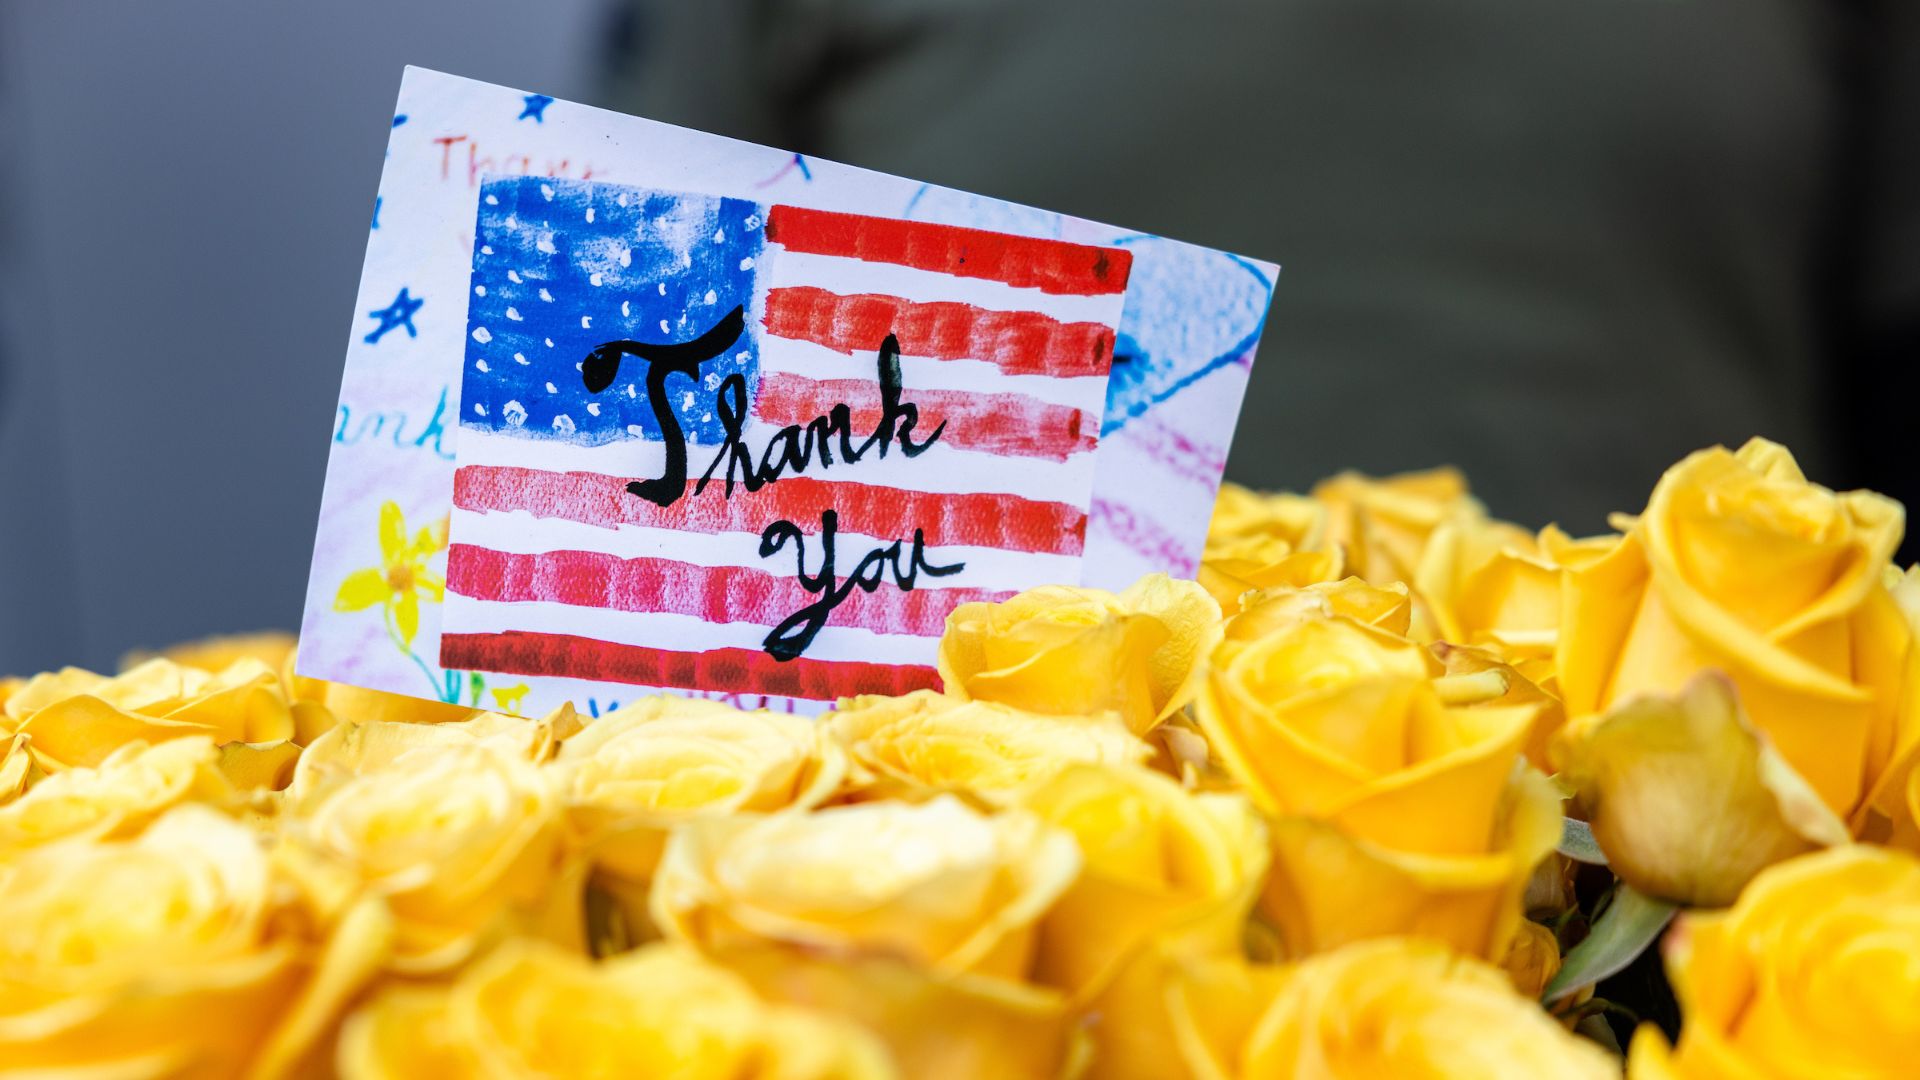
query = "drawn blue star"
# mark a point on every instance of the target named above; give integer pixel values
(399, 118)
(399, 313)
(536, 108)
(377, 200)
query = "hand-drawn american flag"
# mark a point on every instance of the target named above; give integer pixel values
(557, 569)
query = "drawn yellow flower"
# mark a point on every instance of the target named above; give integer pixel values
(402, 577)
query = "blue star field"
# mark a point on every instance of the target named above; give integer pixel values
(563, 266)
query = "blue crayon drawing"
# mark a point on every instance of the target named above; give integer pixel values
(396, 315)
(1189, 312)
(535, 108)
(561, 267)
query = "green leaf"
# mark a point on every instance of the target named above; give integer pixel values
(1577, 843)
(1621, 933)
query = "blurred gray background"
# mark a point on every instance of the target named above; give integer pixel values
(190, 184)
(1559, 243)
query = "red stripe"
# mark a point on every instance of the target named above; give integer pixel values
(1011, 424)
(740, 671)
(1052, 266)
(1017, 342)
(885, 513)
(717, 594)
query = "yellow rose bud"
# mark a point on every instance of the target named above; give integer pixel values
(463, 841)
(179, 952)
(530, 1009)
(1081, 652)
(1688, 801)
(923, 743)
(1169, 876)
(1389, 1008)
(1810, 973)
(77, 718)
(1740, 565)
(946, 886)
(133, 786)
(1532, 959)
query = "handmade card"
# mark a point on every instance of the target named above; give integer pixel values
(719, 445)
(632, 408)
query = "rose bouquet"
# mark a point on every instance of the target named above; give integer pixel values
(1394, 789)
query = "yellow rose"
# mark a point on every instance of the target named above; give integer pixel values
(664, 760)
(1262, 541)
(630, 776)
(214, 654)
(463, 841)
(1388, 1008)
(1480, 676)
(1810, 974)
(1740, 565)
(17, 770)
(923, 743)
(1329, 717)
(1507, 599)
(352, 748)
(355, 703)
(1395, 812)
(1383, 607)
(1169, 876)
(1296, 519)
(1081, 652)
(530, 1009)
(133, 786)
(77, 718)
(948, 887)
(1331, 885)
(1688, 801)
(937, 1026)
(178, 953)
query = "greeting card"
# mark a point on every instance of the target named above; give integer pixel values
(635, 408)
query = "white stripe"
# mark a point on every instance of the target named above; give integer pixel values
(848, 276)
(681, 633)
(815, 361)
(520, 533)
(941, 469)
(599, 698)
